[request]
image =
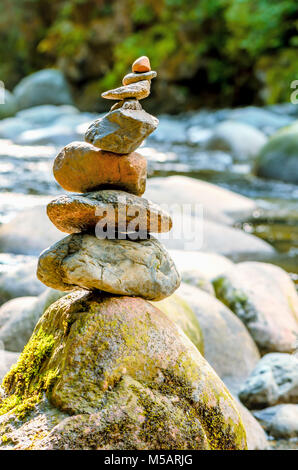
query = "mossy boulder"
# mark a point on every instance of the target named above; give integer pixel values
(263, 296)
(278, 159)
(228, 346)
(179, 311)
(196, 278)
(104, 372)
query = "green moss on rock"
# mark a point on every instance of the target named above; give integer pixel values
(179, 311)
(125, 375)
(25, 383)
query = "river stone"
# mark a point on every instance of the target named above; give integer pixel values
(142, 64)
(210, 265)
(7, 359)
(280, 421)
(47, 86)
(219, 204)
(9, 107)
(240, 140)
(12, 312)
(121, 130)
(23, 235)
(140, 268)
(274, 380)
(127, 104)
(138, 90)
(228, 347)
(115, 209)
(19, 316)
(137, 77)
(115, 374)
(81, 167)
(196, 278)
(264, 297)
(278, 159)
(19, 280)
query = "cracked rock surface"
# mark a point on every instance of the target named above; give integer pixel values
(138, 268)
(115, 209)
(122, 130)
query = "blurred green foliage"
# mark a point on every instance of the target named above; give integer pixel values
(207, 52)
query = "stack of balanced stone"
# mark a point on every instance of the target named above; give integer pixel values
(110, 246)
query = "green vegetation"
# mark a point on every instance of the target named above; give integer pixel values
(222, 52)
(25, 383)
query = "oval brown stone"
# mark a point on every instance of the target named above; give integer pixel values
(116, 209)
(142, 64)
(81, 167)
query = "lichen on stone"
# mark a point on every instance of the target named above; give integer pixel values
(119, 375)
(25, 383)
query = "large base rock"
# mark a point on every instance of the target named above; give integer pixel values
(255, 434)
(106, 372)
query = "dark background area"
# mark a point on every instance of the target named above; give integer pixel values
(208, 53)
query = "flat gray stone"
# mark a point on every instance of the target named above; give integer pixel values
(121, 130)
(138, 90)
(137, 77)
(125, 267)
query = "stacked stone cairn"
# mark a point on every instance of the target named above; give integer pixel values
(110, 247)
(105, 371)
